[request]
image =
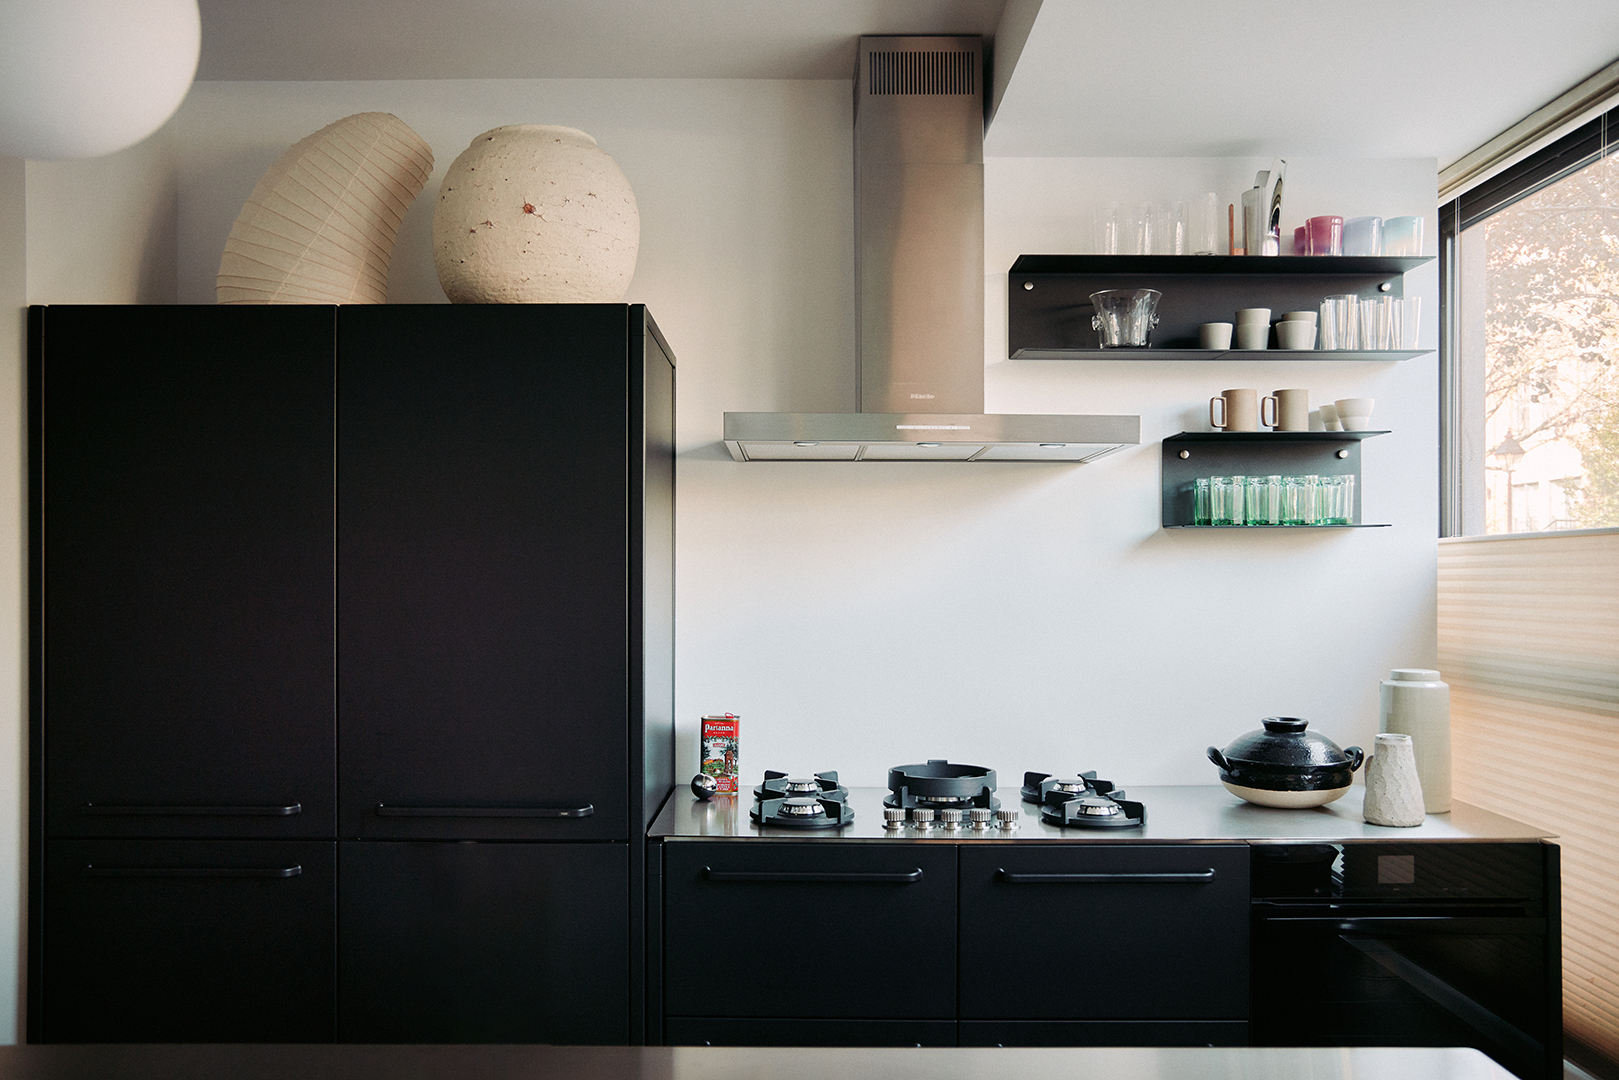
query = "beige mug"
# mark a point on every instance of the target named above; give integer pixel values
(1238, 410)
(1287, 410)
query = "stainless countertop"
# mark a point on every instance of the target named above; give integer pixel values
(243, 1062)
(1174, 814)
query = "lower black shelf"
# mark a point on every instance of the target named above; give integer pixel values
(1294, 528)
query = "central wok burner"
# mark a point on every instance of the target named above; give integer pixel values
(939, 785)
(1082, 801)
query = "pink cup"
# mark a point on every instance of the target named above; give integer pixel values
(1325, 235)
(1301, 241)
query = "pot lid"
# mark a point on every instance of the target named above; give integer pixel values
(1283, 743)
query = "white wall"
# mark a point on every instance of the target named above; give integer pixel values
(860, 615)
(13, 579)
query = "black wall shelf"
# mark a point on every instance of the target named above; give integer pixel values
(1049, 309)
(1256, 453)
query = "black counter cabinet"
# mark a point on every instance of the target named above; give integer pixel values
(351, 670)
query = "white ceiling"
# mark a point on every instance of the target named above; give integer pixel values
(1102, 78)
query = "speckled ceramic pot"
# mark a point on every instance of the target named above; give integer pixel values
(535, 214)
(1284, 765)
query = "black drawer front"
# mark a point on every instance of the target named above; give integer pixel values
(188, 941)
(1165, 926)
(731, 1031)
(796, 919)
(1104, 1033)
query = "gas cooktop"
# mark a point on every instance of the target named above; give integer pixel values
(1082, 802)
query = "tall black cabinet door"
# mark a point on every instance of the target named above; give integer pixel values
(483, 670)
(183, 491)
(188, 941)
(481, 942)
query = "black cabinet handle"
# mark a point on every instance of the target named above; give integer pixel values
(1179, 878)
(111, 810)
(487, 811)
(194, 871)
(801, 877)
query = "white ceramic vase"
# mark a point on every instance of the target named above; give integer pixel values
(1393, 791)
(320, 225)
(535, 214)
(1416, 703)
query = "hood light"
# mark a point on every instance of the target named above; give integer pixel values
(929, 444)
(1052, 445)
(806, 444)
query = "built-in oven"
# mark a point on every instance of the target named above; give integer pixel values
(1417, 944)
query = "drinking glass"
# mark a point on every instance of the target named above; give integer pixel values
(1339, 329)
(1262, 502)
(1107, 229)
(1376, 314)
(1206, 225)
(1406, 322)
(1225, 501)
(1298, 500)
(1325, 235)
(1335, 500)
(1363, 236)
(1135, 229)
(1402, 236)
(1201, 514)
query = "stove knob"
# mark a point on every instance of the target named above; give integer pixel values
(922, 818)
(894, 817)
(950, 819)
(1006, 819)
(980, 816)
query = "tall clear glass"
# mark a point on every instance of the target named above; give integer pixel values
(1339, 324)
(1298, 500)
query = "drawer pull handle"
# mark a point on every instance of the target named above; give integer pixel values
(1181, 878)
(108, 810)
(194, 871)
(802, 877)
(487, 811)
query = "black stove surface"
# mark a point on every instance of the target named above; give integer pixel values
(1082, 802)
(790, 802)
(940, 785)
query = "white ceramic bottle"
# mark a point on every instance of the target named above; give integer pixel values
(1416, 703)
(1393, 790)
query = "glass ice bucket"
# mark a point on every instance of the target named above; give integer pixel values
(1125, 318)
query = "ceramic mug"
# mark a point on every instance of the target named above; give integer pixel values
(1253, 335)
(1329, 419)
(1295, 334)
(1214, 335)
(1289, 410)
(1238, 410)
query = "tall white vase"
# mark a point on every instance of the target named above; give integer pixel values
(1393, 791)
(1416, 703)
(535, 214)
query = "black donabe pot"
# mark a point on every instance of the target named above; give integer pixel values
(1284, 765)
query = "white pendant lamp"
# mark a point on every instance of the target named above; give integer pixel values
(82, 78)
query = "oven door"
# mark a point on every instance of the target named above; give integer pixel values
(1415, 973)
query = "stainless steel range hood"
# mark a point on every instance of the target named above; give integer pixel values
(919, 284)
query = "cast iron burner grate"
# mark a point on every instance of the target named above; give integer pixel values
(1082, 802)
(790, 802)
(939, 785)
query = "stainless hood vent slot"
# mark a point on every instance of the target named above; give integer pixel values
(919, 284)
(922, 73)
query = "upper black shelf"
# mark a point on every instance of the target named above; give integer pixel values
(1272, 436)
(1216, 264)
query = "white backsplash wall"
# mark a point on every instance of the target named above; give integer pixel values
(859, 616)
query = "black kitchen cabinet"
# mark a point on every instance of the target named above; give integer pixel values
(484, 942)
(438, 537)
(187, 941)
(792, 919)
(733, 1031)
(483, 572)
(1165, 927)
(182, 628)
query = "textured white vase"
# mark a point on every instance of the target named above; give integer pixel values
(1393, 791)
(535, 214)
(1416, 703)
(320, 225)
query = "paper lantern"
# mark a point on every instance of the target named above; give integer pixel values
(81, 78)
(535, 214)
(320, 226)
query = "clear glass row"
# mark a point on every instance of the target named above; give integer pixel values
(1370, 322)
(1273, 500)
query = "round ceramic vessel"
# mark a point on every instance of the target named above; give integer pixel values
(1289, 764)
(535, 214)
(1286, 800)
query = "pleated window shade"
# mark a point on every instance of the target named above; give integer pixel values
(1529, 643)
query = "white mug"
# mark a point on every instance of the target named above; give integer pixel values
(1253, 315)
(1214, 335)
(1329, 419)
(1289, 410)
(1295, 334)
(1255, 335)
(1354, 413)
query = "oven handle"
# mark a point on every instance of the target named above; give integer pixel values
(800, 877)
(1187, 877)
(92, 870)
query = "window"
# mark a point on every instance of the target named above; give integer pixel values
(1531, 260)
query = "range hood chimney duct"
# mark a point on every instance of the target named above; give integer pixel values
(919, 284)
